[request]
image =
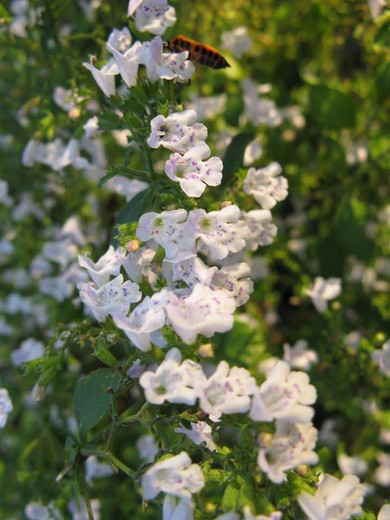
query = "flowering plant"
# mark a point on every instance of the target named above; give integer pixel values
(192, 294)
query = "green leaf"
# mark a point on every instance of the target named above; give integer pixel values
(132, 210)
(91, 401)
(235, 154)
(230, 497)
(101, 352)
(383, 81)
(331, 108)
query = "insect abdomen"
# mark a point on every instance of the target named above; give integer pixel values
(198, 52)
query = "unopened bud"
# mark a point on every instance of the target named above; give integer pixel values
(74, 113)
(301, 469)
(206, 350)
(133, 246)
(225, 204)
(264, 440)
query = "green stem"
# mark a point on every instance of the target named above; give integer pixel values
(120, 465)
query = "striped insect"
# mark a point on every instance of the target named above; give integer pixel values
(198, 52)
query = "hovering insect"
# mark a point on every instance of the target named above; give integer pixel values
(198, 52)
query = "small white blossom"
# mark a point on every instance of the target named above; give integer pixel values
(355, 465)
(29, 350)
(352, 340)
(104, 77)
(324, 290)
(191, 271)
(112, 298)
(262, 230)
(253, 151)
(171, 231)
(79, 509)
(382, 472)
(173, 381)
(266, 185)
(258, 110)
(145, 321)
(291, 445)
(335, 499)
(5, 406)
(298, 356)
(178, 132)
(175, 508)
(234, 279)
(163, 65)
(95, 469)
(36, 511)
(275, 515)
(200, 433)
(207, 107)
(4, 197)
(147, 447)
(154, 16)
(284, 395)
(108, 265)
(237, 41)
(384, 513)
(205, 311)
(192, 172)
(219, 232)
(127, 57)
(376, 7)
(175, 476)
(61, 252)
(91, 127)
(382, 357)
(227, 391)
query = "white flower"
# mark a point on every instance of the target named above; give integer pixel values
(384, 513)
(172, 381)
(260, 111)
(234, 279)
(145, 321)
(178, 132)
(175, 508)
(207, 107)
(4, 197)
(335, 499)
(36, 511)
(29, 350)
(104, 77)
(91, 127)
(154, 16)
(175, 476)
(108, 265)
(127, 57)
(253, 151)
(200, 433)
(227, 391)
(324, 290)
(220, 232)
(376, 7)
(139, 264)
(62, 252)
(237, 41)
(284, 395)
(382, 473)
(298, 356)
(191, 271)
(352, 340)
(79, 509)
(266, 185)
(382, 357)
(112, 298)
(275, 515)
(160, 65)
(262, 230)
(355, 465)
(291, 445)
(5, 406)
(95, 469)
(147, 447)
(205, 311)
(192, 172)
(171, 231)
